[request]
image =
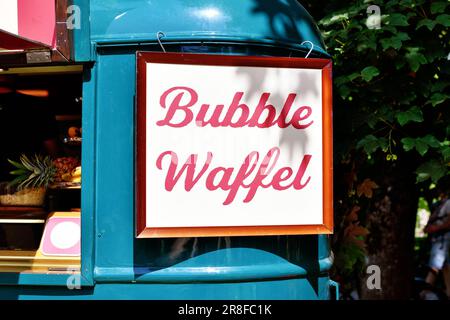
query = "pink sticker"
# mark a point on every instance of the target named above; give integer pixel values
(62, 237)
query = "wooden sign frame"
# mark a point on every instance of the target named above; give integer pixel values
(142, 231)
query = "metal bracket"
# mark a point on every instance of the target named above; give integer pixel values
(310, 50)
(335, 285)
(159, 35)
(41, 56)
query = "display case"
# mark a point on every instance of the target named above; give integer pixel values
(40, 163)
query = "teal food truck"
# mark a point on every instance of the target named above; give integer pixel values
(125, 228)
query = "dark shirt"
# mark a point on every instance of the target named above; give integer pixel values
(25, 123)
(440, 216)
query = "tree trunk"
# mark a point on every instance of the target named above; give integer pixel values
(391, 223)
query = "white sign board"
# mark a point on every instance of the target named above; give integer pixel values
(233, 146)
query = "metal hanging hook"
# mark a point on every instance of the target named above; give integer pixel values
(310, 50)
(159, 35)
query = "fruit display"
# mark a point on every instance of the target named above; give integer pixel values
(74, 132)
(64, 168)
(33, 176)
(76, 175)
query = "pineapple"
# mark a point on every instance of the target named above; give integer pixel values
(34, 172)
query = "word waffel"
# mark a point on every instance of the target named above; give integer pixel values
(264, 115)
(264, 175)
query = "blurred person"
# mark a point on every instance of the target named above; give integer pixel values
(438, 228)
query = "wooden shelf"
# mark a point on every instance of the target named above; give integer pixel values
(14, 215)
(35, 262)
(72, 141)
(70, 187)
(18, 209)
(68, 117)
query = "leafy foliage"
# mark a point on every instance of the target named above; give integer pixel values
(391, 101)
(399, 89)
(352, 248)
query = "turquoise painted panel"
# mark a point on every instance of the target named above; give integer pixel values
(289, 289)
(279, 22)
(88, 157)
(120, 258)
(81, 37)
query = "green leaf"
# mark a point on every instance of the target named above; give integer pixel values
(16, 181)
(408, 143)
(366, 40)
(431, 141)
(16, 164)
(344, 91)
(372, 120)
(440, 85)
(395, 41)
(400, 63)
(341, 80)
(432, 169)
(415, 58)
(369, 73)
(397, 19)
(446, 153)
(438, 7)
(391, 29)
(413, 114)
(421, 144)
(421, 147)
(18, 172)
(336, 18)
(443, 19)
(430, 24)
(370, 143)
(353, 76)
(438, 98)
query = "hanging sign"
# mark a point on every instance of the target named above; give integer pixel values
(233, 145)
